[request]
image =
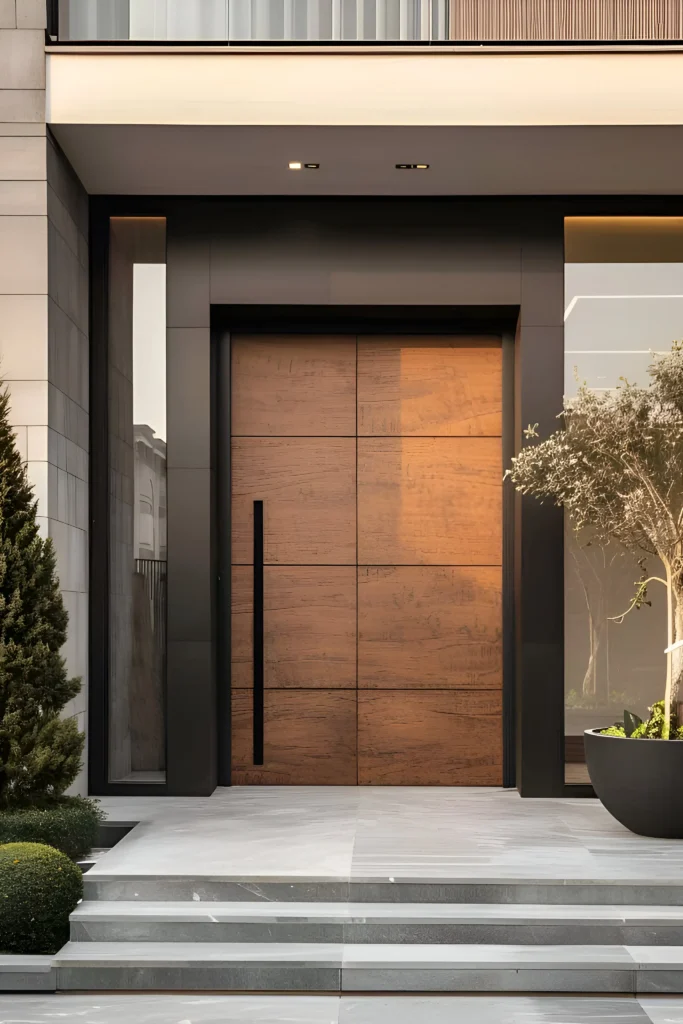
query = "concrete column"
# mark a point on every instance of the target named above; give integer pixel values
(44, 315)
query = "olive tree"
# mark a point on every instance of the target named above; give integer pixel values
(616, 465)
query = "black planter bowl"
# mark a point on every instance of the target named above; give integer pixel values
(640, 782)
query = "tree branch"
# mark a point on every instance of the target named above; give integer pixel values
(638, 599)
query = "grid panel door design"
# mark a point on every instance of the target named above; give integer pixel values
(378, 462)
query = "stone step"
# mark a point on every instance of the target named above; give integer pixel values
(334, 967)
(371, 923)
(101, 885)
(24, 972)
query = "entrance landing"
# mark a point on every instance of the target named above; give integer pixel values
(382, 835)
(377, 890)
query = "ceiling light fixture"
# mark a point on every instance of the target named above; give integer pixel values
(296, 165)
(412, 167)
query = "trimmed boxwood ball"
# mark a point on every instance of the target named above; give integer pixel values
(39, 887)
(69, 824)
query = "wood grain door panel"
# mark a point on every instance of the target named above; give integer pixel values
(429, 738)
(309, 626)
(379, 464)
(429, 386)
(308, 488)
(309, 738)
(429, 627)
(294, 385)
(429, 501)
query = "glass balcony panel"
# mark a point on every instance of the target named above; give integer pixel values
(253, 20)
(94, 19)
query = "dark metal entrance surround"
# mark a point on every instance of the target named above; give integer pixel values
(369, 320)
(505, 252)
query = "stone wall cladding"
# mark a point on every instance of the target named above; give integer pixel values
(44, 315)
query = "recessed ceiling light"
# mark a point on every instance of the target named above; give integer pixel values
(295, 165)
(412, 167)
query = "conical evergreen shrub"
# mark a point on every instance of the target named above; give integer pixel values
(40, 753)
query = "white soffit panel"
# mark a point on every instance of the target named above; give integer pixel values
(437, 88)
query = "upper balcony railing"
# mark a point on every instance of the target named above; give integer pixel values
(253, 20)
(389, 22)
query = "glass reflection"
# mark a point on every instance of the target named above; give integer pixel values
(623, 302)
(137, 454)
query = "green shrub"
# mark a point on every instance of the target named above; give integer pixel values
(70, 825)
(652, 729)
(614, 730)
(39, 887)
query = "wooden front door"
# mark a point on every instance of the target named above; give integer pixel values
(378, 464)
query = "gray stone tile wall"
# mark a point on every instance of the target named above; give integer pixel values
(44, 314)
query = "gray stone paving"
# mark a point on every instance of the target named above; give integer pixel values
(383, 834)
(398, 855)
(267, 1009)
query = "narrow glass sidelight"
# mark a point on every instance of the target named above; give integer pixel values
(137, 500)
(623, 309)
(258, 632)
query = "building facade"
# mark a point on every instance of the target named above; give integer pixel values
(281, 285)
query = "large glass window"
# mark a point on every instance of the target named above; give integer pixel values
(137, 494)
(623, 303)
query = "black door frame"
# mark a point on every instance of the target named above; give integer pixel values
(379, 320)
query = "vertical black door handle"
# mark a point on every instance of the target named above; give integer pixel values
(258, 632)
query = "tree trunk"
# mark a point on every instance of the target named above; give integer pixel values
(668, 692)
(677, 660)
(597, 628)
(602, 690)
(588, 687)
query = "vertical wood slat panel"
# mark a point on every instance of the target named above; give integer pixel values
(566, 19)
